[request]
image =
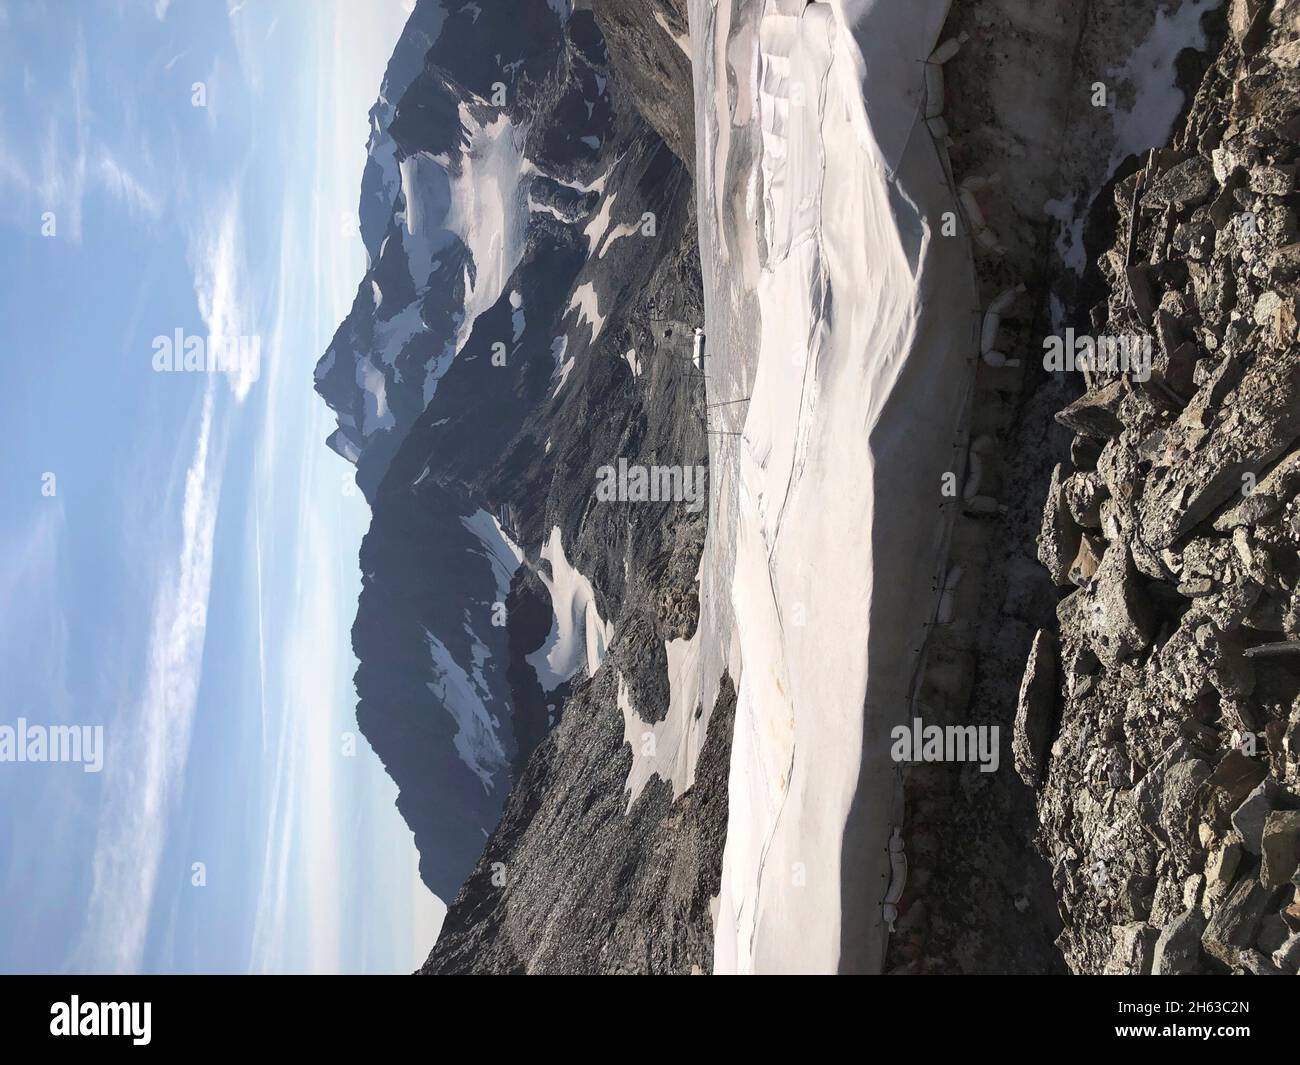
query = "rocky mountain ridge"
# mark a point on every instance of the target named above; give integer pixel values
(1168, 771)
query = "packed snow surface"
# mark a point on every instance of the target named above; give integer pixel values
(587, 304)
(485, 205)
(503, 554)
(850, 326)
(578, 636)
(668, 749)
(376, 414)
(465, 695)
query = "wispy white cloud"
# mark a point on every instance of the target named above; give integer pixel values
(34, 627)
(217, 258)
(160, 9)
(60, 182)
(298, 919)
(247, 29)
(54, 168)
(122, 184)
(148, 746)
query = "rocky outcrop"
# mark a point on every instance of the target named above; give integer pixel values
(1030, 155)
(1171, 802)
(1035, 709)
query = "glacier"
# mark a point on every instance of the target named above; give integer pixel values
(835, 306)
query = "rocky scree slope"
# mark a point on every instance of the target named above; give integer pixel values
(1159, 719)
(1038, 160)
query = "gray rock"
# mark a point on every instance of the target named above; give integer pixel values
(1268, 497)
(1242, 16)
(1280, 848)
(1273, 650)
(653, 72)
(1034, 710)
(1095, 414)
(1084, 494)
(1120, 617)
(1058, 540)
(1249, 818)
(1263, 423)
(1084, 566)
(1179, 813)
(1287, 956)
(1188, 184)
(1084, 452)
(1138, 277)
(1256, 964)
(1272, 180)
(1131, 817)
(1178, 948)
(1235, 923)
(1221, 867)
(1148, 796)
(1234, 778)
(1135, 947)
(565, 829)
(1272, 933)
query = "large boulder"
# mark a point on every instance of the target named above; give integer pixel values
(1058, 540)
(1235, 924)
(1178, 948)
(1120, 615)
(1249, 818)
(1279, 848)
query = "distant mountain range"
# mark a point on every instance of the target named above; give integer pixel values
(514, 207)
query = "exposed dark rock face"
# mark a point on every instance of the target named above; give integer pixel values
(649, 42)
(573, 882)
(1169, 808)
(570, 851)
(379, 179)
(510, 101)
(423, 574)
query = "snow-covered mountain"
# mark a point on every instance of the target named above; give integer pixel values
(381, 179)
(488, 367)
(505, 98)
(816, 190)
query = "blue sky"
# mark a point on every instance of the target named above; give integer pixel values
(191, 583)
